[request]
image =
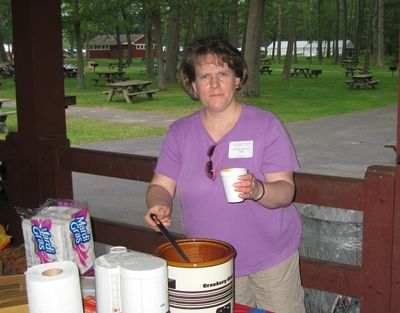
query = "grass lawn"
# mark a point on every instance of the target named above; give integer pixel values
(294, 100)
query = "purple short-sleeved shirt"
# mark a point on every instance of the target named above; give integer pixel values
(258, 142)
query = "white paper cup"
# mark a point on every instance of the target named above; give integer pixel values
(229, 177)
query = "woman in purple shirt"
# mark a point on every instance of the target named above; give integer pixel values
(265, 228)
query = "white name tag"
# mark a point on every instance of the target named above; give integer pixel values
(240, 149)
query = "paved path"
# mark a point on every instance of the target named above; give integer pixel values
(343, 145)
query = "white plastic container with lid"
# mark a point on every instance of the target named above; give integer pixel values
(106, 271)
(107, 279)
(144, 285)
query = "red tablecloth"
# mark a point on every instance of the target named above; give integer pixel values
(240, 308)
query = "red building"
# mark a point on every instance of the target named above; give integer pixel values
(105, 46)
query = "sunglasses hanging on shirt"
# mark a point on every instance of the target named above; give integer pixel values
(210, 171)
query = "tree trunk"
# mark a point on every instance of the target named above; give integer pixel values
(336, 54)
(360, 25)
(292, 36)
(279, 32)
(233, 23)
(345, 30)
(319, 33)
(128, 36)
(328, 48)
(381, 43)
(80, 81)
(374, 20)
(129, 47)
(369, 39)
(252, 48)
(190, 25)
(156, 17)
(172, 43)
(3, 53)
(247, 4)
(119, 48)
(148, 37)
(273, 50)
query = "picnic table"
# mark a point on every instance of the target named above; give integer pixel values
(314, 73)
(70, 70)
(297, 71)
(393, 68)
(265, 61)
(352, 70)
(130, 89)
(112, 65)
(69, 100)
(3, 118)
(362, 81)
(265, 69)
(109, 77)
(7, 71)
(349, 62)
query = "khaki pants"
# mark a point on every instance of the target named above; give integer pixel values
(276, 289)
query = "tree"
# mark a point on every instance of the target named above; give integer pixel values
(125, 18)
(148, 37)
(156, 18)
(190, 21)
(279, 30)
(233, 23)
(337, 37)
(292, 36)
(360, 26)
(391, 25)
(132, 21)
(319, 30)
(380, 33)
(252, 47)
(172, 42)
(107, 16)
(3, 53)
(345, 30)
(80, 82)
(245, 27)
(369, 37)
(5, 27)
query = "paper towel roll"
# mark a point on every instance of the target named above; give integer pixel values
(54, 287)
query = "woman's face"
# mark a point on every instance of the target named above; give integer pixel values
(215, 83)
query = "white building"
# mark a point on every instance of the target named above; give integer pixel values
(7, 47)
(307, 48)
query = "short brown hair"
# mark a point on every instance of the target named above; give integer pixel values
(217, 47)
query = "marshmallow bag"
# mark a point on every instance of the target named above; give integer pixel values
(60, 230)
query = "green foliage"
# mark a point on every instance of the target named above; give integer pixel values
(5, 20)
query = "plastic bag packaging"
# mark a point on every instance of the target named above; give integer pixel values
(58, 230)
(333, 235)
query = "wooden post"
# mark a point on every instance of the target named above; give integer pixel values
(395, 299)
(39, 83)
(395, 292)
(377, 232)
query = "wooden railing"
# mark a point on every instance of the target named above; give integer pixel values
(373, 195)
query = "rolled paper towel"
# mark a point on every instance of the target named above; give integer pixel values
(54, 287)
